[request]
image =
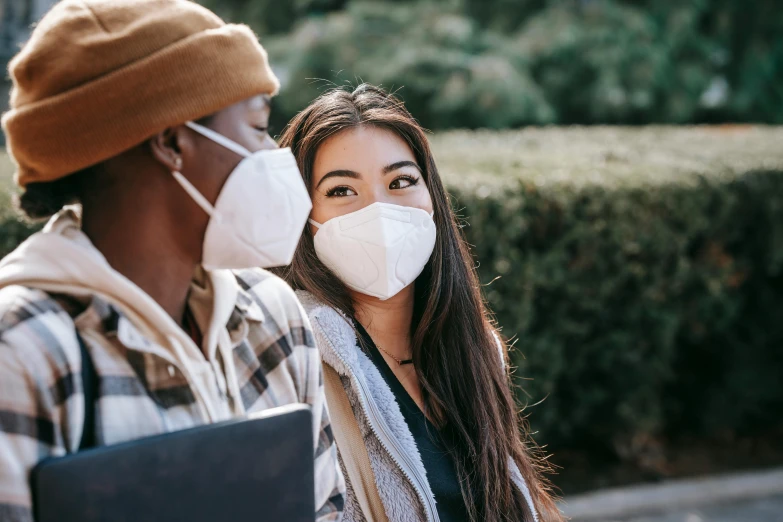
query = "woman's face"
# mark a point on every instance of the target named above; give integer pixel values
(361, 166)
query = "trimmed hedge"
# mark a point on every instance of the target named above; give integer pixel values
(639, 270)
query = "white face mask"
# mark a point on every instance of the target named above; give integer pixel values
(260, 212)
(378, 250)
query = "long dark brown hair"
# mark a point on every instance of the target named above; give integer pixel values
(464, 387)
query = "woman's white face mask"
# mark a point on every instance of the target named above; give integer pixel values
(260, 212)
(378, 250)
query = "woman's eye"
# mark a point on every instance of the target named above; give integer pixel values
(340, 192)
(262, 130)
(403, 182)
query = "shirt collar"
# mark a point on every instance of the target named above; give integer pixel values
(247, 308)
(101, 315)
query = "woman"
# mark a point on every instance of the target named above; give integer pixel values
(397, 313)
(138, 282)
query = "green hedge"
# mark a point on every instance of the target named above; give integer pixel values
(639, 270)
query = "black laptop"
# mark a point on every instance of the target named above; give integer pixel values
(258, 469)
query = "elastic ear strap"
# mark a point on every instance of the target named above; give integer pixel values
(194, 193)
(219, 139)
(316, 225)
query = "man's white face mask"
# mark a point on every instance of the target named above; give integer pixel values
(259, 214)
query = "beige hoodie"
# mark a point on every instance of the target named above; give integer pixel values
(152, 377)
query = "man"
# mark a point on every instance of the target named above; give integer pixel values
(152, 115)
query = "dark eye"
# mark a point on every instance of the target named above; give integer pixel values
(262, 130)
(402, 182)
(340, 192)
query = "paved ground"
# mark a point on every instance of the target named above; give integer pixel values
(741, 497)
(761, 510)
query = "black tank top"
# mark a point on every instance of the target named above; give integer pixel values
(438, 463)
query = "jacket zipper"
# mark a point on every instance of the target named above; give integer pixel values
(387, 440)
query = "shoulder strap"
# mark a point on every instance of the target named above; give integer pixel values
(90, 390)
(352, 449)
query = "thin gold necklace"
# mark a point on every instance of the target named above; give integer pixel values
(400, 362)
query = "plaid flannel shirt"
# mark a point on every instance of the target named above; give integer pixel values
(140, 394)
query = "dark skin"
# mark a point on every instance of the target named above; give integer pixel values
(148, 228)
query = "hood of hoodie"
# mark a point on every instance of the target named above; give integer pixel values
(62, 259)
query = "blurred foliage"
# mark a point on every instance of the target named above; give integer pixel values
(608, 63)
(639, 271)
(747, 52)
(506, 63)
(453, 73)
(270, 17)
(13, 228)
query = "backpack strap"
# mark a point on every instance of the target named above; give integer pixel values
(90, 390)
(350, 444)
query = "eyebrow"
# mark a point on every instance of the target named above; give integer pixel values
(399, 165)
(345, 173)
(342, 173)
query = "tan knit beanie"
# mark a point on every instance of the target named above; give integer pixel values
(98, 77)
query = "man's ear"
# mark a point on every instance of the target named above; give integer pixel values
(173, 147)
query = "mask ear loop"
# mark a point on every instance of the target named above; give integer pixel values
(219, 139)
(200, 200)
